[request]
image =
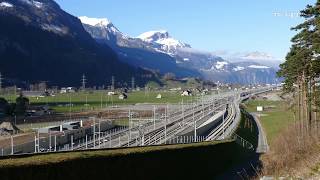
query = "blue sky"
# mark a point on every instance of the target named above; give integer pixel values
(210, 25)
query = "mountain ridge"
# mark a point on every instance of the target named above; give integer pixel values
(206, 64)
(39, 37)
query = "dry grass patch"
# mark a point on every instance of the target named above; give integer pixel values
(292, 153)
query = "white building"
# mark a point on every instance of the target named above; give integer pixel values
(186, 93)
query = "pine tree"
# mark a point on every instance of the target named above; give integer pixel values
(302, 65)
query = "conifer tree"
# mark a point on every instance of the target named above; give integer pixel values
(302, 66)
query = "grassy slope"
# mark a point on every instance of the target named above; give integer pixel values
(248, 129)
(249, 162)
(274, 119)
(286, 157)
(201, 160)
(44, 159)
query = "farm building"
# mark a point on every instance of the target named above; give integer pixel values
(67, 90)
(111, 93)
(186, 93)
(123, 96)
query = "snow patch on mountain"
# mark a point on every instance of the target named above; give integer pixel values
(37, 4)
(94, 21)
(258, 67)
(162, 38)
(34, 3)
(148, 36)
(54, 28)
(114, 30)
(170, 42)
(105, 27)
(221, 64)
(6, 4)
(238, 68)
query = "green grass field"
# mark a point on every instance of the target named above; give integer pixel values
(82, 101)
(273, 119)
(121, 122)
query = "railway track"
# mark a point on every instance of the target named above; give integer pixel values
(175, 121)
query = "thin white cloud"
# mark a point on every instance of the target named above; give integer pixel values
(247, 55)
(262, 58)
(191, 50)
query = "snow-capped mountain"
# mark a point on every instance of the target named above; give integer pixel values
(242, 72)
(262, 58)
(215, 68)
(133, 51)
(247, 66)
(200, 60)
(159, 51)
(38, 36)
(184, 55)
(98, 22)
(108, 30)
(105, 32)
(163, 40)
